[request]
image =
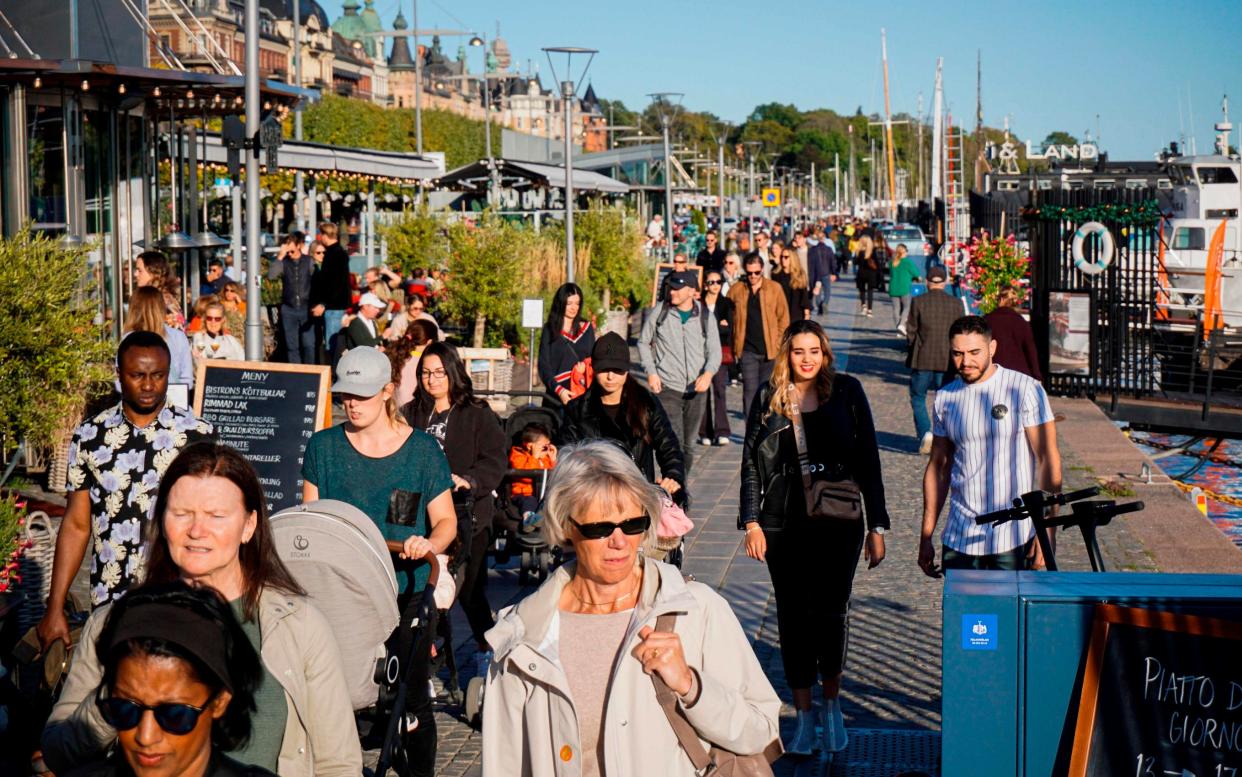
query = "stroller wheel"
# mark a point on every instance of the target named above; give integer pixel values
(527, 569)
(474, 701)
(544, 559)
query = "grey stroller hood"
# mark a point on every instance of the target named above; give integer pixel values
(340, 557)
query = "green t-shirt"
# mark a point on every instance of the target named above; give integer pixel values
(901, 275)
(267, 729)
(418, 468)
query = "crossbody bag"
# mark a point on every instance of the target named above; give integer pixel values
(839, 500)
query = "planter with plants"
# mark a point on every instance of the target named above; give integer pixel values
(13, 544)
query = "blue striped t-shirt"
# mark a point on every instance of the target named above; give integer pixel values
(992, 461)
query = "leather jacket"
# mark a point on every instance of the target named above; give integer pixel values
(770, 473)
(585, 419)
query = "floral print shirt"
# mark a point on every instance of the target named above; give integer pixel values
(120, 465)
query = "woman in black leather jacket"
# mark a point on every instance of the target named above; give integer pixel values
(618, 407)
(811, 560)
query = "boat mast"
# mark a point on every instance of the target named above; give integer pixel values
(888, 129)
(937, 146)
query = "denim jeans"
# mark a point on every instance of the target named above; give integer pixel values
(1010, 560)
(299, 334)
(921, 382)
(331, 326)
(685, 412)
(825, 294)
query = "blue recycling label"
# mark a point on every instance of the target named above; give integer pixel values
(979, 632)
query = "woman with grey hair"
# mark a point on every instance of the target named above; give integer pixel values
(572, 682)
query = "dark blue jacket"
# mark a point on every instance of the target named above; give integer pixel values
(821, 263)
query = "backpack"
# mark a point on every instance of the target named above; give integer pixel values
(663, 314)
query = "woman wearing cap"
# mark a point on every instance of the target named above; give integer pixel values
(572, 689)
(565, 345)
(811, 558)
(210, 530)
(618, 407)
(468, 430)
(400, 478)
(179, 653)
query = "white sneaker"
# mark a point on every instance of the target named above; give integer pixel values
(803, 741)
(705, 441)
(925, 444)
(834, 738)
(868, 312)
(901, 328)
(722, 440)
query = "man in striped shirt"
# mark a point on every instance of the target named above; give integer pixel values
(994, 439)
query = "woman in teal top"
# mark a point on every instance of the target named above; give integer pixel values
(901, 273)
(400, 478)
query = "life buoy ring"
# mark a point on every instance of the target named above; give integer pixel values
(1107, 248)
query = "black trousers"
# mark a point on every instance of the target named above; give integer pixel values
(867, 280)
(473, 593)
(812, 564)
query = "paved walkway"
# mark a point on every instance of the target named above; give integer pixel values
(892, 681)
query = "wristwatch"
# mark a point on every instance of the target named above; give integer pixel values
(880, 530)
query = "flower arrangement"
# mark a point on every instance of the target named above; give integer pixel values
(997, 268)
(12, 545)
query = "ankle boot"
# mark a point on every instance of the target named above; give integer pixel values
(834, 738)
(803, 741)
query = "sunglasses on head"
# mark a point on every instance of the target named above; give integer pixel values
(599, 530)
(124, 714)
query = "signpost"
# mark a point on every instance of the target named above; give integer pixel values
(532, 319)
(267, 411)
(771, 197)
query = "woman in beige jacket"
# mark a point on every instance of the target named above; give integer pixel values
(211, 529)
(570, 692)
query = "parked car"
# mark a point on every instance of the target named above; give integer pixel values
(910, 236)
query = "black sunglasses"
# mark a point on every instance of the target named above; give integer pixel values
(753, 273)
(124, 714)
(713, 283)
(598, 530)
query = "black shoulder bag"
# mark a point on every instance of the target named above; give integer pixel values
(839, 500)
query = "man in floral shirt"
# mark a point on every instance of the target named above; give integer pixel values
(115, 463)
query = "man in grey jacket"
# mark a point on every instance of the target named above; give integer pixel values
(680, 351)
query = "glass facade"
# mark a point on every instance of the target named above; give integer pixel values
(45, 141)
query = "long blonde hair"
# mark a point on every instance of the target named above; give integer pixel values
(146, 311)
(797, 275)
(783, 401)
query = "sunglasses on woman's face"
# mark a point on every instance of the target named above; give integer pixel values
(713, 283)
(124, 714)
(598, 530)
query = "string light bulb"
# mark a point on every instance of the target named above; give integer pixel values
(38, 82)
(121, 89)
(86, 85)
(189, 94)
(155, 92)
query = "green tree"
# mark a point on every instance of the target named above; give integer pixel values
(1060, 138)
(53, 352)
(785, 115)
(487, 279)
(614, 240)
(417, 239)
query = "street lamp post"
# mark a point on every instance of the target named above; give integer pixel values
(481, 40)
(299, 183)
(568, 89)
(750, 189)
(254, 329)
(666, 104)
(720, 185)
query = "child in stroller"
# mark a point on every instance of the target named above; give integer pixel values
(532, 449)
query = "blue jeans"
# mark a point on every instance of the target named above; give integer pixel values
(825, 293)
(299, 334)
(331, 326)
(921, 382)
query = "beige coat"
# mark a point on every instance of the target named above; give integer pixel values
(300, 652)
(529, 723)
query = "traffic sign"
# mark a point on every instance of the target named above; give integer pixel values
(772, 197)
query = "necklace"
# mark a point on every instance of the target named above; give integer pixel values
(590, 603)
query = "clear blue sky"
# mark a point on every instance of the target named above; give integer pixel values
(1047, 65)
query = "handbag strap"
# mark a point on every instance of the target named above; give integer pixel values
(668, 702)
(804, 459)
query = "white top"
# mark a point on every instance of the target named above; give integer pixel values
(992, 461)
(223, 347)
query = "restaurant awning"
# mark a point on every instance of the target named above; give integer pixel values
(322, 158)
(474, 177)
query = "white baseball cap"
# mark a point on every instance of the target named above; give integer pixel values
(363, 372)
(370, 299)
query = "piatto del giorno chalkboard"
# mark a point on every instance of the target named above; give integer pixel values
(1161, 697)
(268, 411)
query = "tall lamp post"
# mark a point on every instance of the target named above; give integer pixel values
(568, 89)
(720, 178)
(254, 329)
(751, 145)
(480, 39)
(667, 104)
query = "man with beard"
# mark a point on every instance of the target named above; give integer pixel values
(116, 460)
(993, 436)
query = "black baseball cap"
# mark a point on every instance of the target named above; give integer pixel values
(680, 280)
(936, 273)
(610, 354)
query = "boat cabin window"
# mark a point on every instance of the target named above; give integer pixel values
(1188, 239)
(1180, 174)
(1216, 175)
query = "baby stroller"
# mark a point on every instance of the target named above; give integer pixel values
(459, 558)
(338, 555)
(513, 536)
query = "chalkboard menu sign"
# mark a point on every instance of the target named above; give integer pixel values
(1161, 695)
(662, 271)
(267, 411)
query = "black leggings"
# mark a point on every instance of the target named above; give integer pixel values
(473, 593)
(867, 282)
(812, 564)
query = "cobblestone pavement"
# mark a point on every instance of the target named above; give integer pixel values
(892, 681)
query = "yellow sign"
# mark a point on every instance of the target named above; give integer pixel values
(771, 197)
